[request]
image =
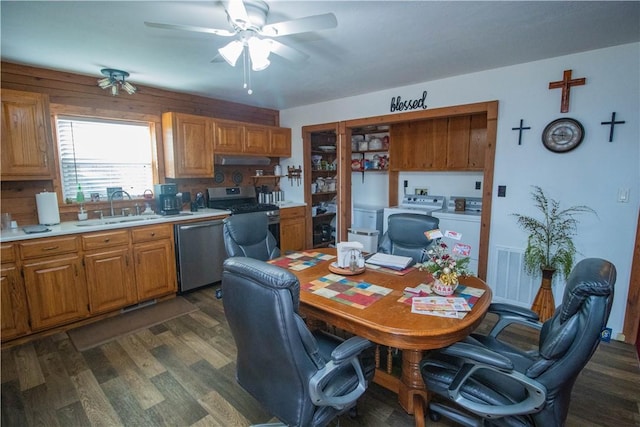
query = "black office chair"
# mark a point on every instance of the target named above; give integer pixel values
(248, 235)
(405, 235)
(301, 378)
(507, 386)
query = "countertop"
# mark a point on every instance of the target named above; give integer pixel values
(76, 227)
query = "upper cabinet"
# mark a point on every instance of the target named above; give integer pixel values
(188, 145)
(440, 144)
(190, 142)
(27, 148)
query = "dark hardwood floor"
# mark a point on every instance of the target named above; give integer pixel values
(182, 373)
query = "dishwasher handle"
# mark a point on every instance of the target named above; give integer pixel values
(199, 225)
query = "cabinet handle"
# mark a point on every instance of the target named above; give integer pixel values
(107, 240)
(50, 248)
(153, 234)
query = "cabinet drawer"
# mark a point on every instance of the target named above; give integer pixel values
(288, 213)
(154, 232)
(105, 240)
(48, 247)
(7, 255)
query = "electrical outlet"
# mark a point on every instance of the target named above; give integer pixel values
(422, 191)
(406, 183)
(502, 191)
(478, 185)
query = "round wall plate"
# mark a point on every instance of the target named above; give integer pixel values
(562, 135)
(236, 177)
(218, 177)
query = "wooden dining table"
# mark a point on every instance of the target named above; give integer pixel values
(388, 322)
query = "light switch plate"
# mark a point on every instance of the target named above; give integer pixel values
(623, 195)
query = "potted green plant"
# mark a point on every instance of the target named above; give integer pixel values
(550, 245)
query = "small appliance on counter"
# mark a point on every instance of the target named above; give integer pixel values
(167, 200)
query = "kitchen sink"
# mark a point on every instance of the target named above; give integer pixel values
(116, 220)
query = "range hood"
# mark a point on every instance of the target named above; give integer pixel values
(241, 160)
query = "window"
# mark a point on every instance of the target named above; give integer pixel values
(96, 154)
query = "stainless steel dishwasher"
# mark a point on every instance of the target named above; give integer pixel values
(200, 253)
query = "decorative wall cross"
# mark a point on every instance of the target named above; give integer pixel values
(612, 123)
(520, 129)
(565, 84)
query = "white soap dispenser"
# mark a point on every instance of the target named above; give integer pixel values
(82, 214)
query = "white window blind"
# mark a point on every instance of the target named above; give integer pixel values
(97, 154)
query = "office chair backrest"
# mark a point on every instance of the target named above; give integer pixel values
(570, 337)
(248, 235)
(405, 235)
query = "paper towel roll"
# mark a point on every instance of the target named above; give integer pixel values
(47, 204)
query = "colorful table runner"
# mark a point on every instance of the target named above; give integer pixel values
(345, 290)
(300, 260)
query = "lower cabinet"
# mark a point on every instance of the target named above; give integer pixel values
(292, 229)
(14, 311)
(56, 290)
(154, 257)
(109, 270)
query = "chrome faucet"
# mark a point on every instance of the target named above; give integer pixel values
(111, 199)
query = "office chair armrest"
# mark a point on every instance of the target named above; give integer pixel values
(349, 348)
(476, 353)
(535, 400)
(509, 314)
(347, 352)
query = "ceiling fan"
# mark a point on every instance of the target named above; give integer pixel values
(254, 36)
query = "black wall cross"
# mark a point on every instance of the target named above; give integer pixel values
(612, 123)
(520, 129)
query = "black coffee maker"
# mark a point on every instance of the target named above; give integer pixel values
(167, 201)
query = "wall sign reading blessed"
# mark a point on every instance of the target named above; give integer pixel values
(397, 104)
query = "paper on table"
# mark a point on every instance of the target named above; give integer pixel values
(391, 261)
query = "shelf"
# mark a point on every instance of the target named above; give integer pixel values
(323, 193)
(276, 178)
(324, 215)
(324, 244)
(370, 151)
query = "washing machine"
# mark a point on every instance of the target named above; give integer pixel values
(464, 222)
(413, 203)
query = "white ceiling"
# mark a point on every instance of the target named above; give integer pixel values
(377, 44)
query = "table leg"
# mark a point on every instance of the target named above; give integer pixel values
(412, 393)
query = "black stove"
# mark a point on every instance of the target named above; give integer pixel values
(238, 200)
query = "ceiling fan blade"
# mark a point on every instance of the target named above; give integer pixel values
(237, 13)
(293, 55)
(217, 32)
(301, 25)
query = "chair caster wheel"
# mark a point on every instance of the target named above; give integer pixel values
(434, 416)
(353, 412)
(218, 293)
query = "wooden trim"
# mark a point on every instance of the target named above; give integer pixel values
(632, 313)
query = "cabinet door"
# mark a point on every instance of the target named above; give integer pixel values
(27, 151)
(56, 291)
(477, 141)
(14, 315)
(458, 142)
(188, 145)
(280, 139)
(155, 269)
(292, 229)
(229, 138)
(110, 278)
(256, 140)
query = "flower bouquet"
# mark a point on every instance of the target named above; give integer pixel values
(445, 268)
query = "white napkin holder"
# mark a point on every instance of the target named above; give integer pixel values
(345, 250)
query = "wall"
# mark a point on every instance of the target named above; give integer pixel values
(591, 174)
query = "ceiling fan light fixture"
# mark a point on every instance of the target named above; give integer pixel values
(259, 51)
(115, 79)
(231, 52)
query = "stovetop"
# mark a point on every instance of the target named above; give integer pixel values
(237, 200)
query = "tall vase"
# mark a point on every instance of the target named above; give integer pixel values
(543, 304)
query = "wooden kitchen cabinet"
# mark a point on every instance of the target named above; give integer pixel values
(109, 271)
(245, 139)
(188, 145)
(455, 143)
(280, 142)
(14, 311)
(229, 137)
(256, 140)
(27, 148)
(292, 229)
(155, 262)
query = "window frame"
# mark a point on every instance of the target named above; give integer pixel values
(67, 111)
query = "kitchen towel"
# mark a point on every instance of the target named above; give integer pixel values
(47, 204)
